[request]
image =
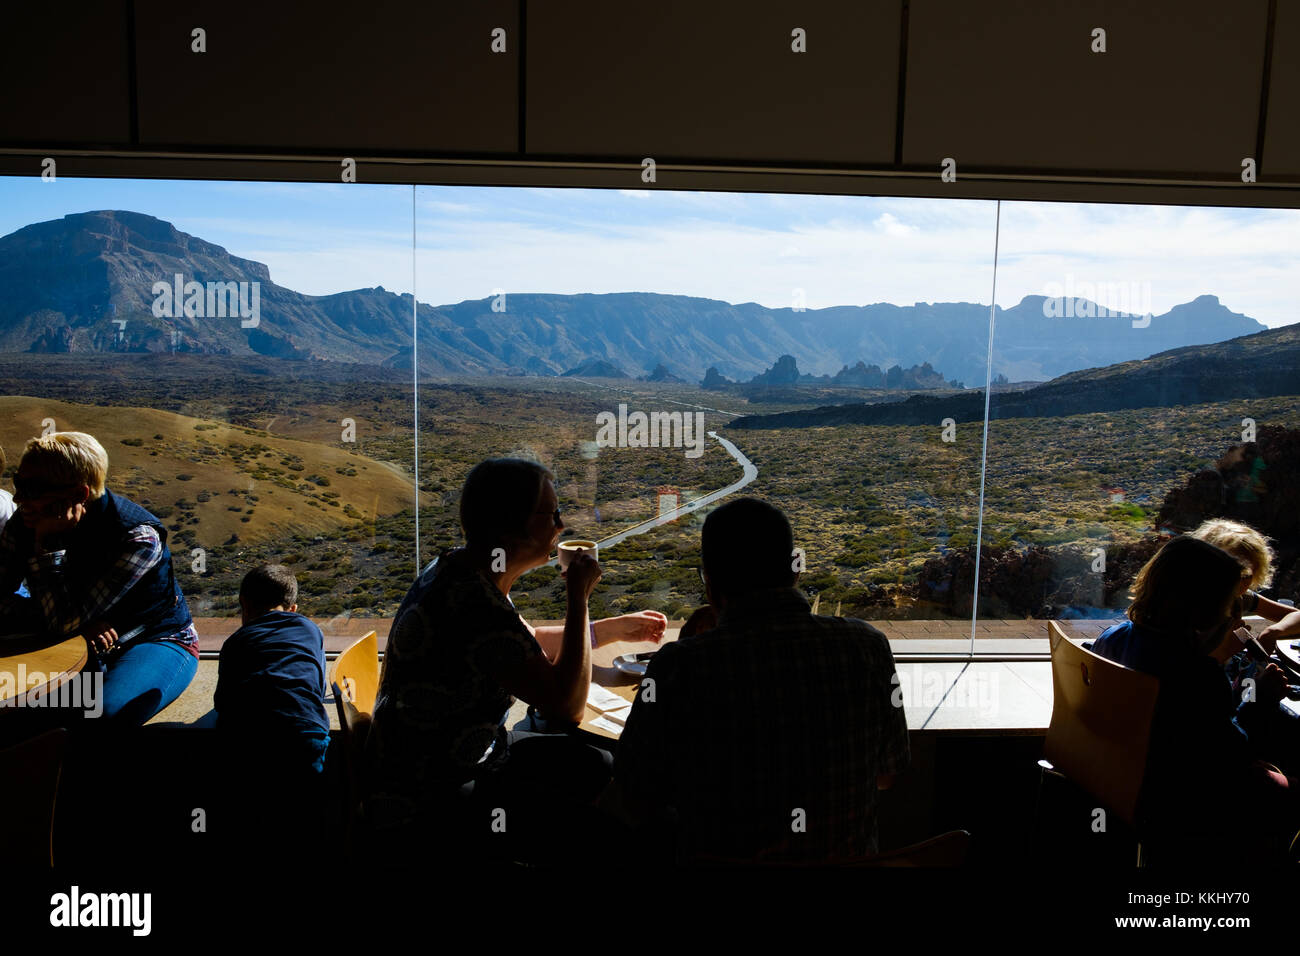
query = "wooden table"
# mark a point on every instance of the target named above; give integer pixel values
(604, 673)
(944, 697)
(31, 665)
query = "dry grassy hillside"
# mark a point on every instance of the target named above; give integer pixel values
(216, 480)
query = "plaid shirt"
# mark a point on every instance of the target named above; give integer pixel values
(67, 606)
(766, 735)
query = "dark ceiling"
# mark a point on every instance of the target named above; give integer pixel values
(1017, 94)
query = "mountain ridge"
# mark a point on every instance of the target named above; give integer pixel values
(83, 284)
(1262, 365)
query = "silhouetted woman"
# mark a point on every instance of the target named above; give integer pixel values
(1202, 779)
(458, 655)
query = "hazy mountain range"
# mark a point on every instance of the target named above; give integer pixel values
(84, 283)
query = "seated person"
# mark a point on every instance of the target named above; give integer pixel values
(1252, 550)
(1185, 607)
(6, 500)
(271, 679)
(458, 655)
(97, 564)
(1277, 731)
(768, 736)
(270, 705)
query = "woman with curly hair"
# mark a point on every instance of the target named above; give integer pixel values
(1186, 604)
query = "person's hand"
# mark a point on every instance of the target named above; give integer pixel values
(702, 619)
(101, 635)
(640, 626)
(581, 576)
(1270, 686)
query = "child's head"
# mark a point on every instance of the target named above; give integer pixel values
(1245, 544)
(272, 587)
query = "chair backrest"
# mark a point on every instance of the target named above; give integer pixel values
(946, 849)
(356, 671)
(354, 679)
(30, 771)
(1101, 724)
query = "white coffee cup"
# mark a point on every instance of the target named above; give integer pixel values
(567, 549)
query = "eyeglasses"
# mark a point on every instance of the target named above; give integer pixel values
(555, 516)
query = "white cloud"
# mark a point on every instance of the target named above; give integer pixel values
(890, 225)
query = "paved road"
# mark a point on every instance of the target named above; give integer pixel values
(749, 471)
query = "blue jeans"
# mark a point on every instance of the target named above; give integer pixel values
(144, 679)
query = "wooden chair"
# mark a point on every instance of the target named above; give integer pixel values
(356, 670)
(946, 849)
(1101, 728)
(30, 771)
(354, 679)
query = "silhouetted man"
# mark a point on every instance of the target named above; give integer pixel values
(767, 736)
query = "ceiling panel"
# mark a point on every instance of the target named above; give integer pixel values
(387, 75)
(1282, 127)
(1015, 84)
(65, 78)
(681, 79)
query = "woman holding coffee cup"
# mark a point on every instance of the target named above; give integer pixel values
(458, 654)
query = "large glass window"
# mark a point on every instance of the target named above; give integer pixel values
(228, 345)
(1135, 395)
(245, 353)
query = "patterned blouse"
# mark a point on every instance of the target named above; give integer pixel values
(440, 710)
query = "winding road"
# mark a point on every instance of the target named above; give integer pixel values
(749, 473)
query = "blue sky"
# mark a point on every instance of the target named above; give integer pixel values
(325, 238)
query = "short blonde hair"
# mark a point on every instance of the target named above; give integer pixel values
(1245, 544)
(67, 458)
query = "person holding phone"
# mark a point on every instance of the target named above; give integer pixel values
(1185, 608)
(1275, 732)
(97, 564)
